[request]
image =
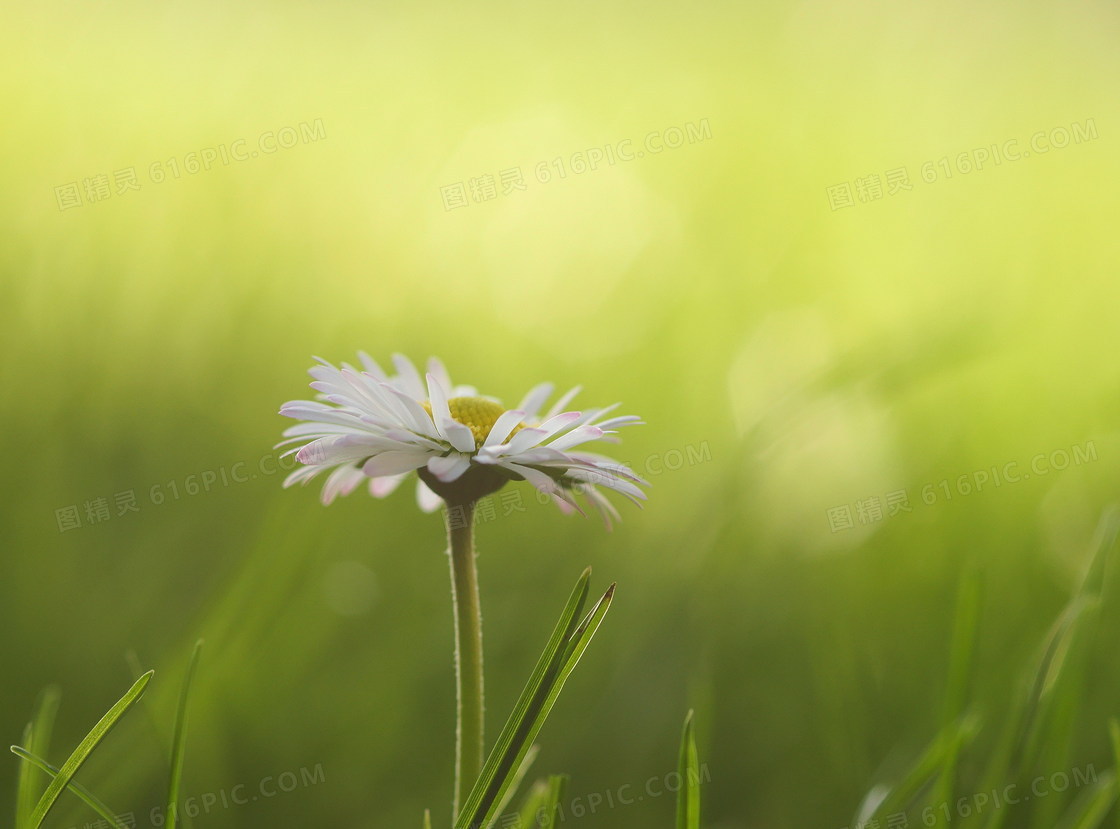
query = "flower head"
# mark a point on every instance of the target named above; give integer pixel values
(367, 424)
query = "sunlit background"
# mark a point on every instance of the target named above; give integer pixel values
(855, 265)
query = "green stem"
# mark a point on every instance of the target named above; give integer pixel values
(468, 648)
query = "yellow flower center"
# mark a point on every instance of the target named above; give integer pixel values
(476, 414)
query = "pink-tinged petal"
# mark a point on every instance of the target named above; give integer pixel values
(564, 506)
(449, 468)
(302, 475)
(426, 499)
(385, 485)
(341, 482)
(394, 463)
(534, 476)
(575, 437)
(505, 424)
(605, 507)
(562, 403)
(621, 420)
(525, 439)
(600, 478)
(535, 399)
(408, 377)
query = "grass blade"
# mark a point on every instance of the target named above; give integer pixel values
(688, 766)
(85, 748)
(37, 739)
(179, 740)
(74, 786)
(25, 795)
(1090, 809)
(556, 664)
(534, 805)
(515, 783)
(888, 800)
(545, 665)
(427, 819)
(554, 800)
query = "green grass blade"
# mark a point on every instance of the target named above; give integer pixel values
(37, 739)
(688, 766)
(956, 691)
(1090, 809)
(888, 800)
(74, 786)
(554, 801)
(85, 748)
(544, 667)
(25, 793)
(553, 669)
(179, 740)
(427, 819)
(534, 805)
(515, 783)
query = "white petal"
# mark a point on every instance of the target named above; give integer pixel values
(408, 377)
(394, 463)
(370, 365)
(439, 370)
(385, 485)
(535, 399)
(450, 430)
(341, 482)
(505, 424)
(428, 500)
(450, 468)
(577, 436)
(559, 405)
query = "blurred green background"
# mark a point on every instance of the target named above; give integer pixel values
(802, 333)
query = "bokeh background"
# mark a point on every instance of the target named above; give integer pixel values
(200, 197)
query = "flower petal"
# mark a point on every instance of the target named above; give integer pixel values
(394, 463)
(449, 468)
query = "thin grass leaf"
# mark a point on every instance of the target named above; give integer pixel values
(688, 766)
(37, 739)
(554, 801)
(85, 748)
(492, 770)
(25, 794)
(515, 783)
(884, 800)
(427, 819)
(534, 804)
(179, 740)
(1019, 747)
(1090, 809)
(956, 691)
(556, 664)
(74, 786)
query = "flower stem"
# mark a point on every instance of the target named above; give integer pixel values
(468, 649)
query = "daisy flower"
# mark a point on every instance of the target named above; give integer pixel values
(367, 424)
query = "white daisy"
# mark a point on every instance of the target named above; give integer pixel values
(368, 424)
